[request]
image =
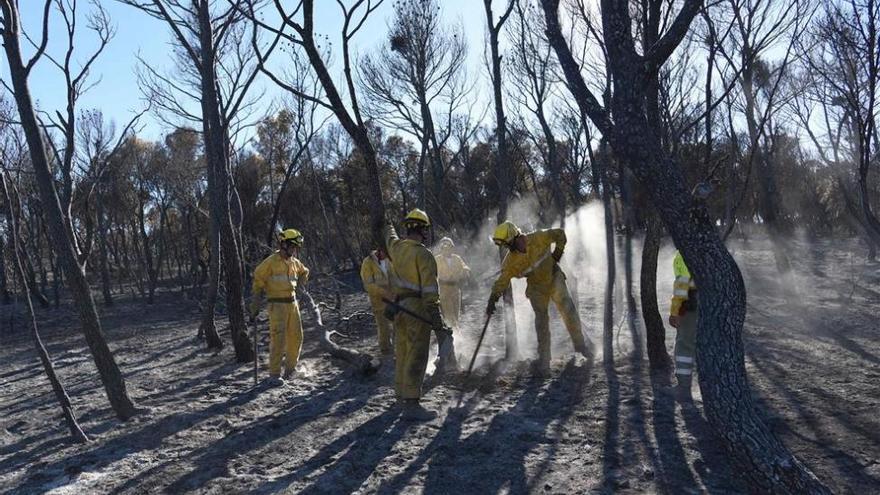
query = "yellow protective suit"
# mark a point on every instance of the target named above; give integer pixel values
(545, 283)
(414, 281)
(451, 273)
(278, 278)
(685, 306)
(374, 275)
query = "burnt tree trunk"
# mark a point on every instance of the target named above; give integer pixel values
(60, 393)
(503, 175)
(655, 331)
(103, 261)
(728, 403)
(59, 228)
(215, 151)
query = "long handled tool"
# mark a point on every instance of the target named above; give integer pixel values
(256, 353)
(479, 343)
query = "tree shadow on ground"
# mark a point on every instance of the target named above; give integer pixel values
(495, 457)
(365, 448)
(815, 417)
(212, 460)
(147, 437)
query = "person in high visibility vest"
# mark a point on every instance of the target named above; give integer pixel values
(375, 277)
(530, 256)
(452, 272)
(683, 315)
(278, 276)
(414, 282)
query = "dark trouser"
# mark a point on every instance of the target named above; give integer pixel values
(685, 346)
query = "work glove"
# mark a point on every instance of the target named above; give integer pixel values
(253, 309)
(490, 308)
(557, 254)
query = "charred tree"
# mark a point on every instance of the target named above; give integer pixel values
(770, 467)
(12, 217)
(60, 229)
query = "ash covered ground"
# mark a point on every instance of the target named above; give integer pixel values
(812, 355)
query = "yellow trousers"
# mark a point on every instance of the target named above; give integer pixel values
(383, 325)
(285, 336)
(450, 303)
(540, 298)
(412, 339)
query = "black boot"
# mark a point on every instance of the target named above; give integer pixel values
(413, 411)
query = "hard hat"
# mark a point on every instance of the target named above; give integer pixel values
(505, 233)
(447, 242)
(291, 235)
(416, 218)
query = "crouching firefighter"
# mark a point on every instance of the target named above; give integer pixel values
(683, 316)
(530, 256)
(278, 276)
(415, 312)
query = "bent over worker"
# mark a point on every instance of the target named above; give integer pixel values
(374, 275)
(414, 281)
(452, 272)
(683, 315)
(278, 276)
(530, 256)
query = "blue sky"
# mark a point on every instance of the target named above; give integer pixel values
(118, 95)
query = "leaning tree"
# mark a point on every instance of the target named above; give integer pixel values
(624, 123)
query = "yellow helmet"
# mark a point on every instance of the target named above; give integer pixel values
(416, 218)
(446, 242)
(505, 233)
(291, 235)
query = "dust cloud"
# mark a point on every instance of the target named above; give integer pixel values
(585, 266)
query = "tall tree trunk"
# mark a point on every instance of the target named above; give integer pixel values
(103, 261)
(215, 150)
(62, 236)
(12, 218)
(503, 175)
(728, 404)
(655, 330)
(4, 286)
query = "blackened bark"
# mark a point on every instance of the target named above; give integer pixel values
(503, 175)
(12, 217)
(728, 403)
(4, 285)
(103, 261)
(220, 194)
(60, 230)
(655, 331)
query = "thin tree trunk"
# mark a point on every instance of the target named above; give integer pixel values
(655, 331)
(60, 393)
(62, 236)
(103, 261)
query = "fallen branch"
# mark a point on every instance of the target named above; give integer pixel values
(363, 363)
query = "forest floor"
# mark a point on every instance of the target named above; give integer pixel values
(813, 362)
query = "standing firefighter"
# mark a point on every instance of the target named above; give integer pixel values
(452, 272)
(374, 275)
(278, 276)
(530, 257)
(414, 280)
(683, 314)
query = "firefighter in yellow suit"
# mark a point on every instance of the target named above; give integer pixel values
(278, 276)
(530, 256)
(374, 275)
(452, 273)
(414, 281)
(683, 315)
